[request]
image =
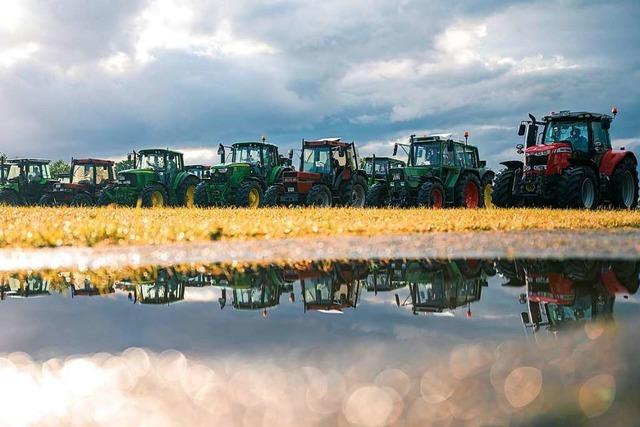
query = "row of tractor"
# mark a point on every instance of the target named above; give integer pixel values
(568, 162)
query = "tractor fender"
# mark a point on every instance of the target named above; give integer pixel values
(361, 174)
(584, 162)
(513, 164)
(612, 158)
(261, 182)
(486, 172)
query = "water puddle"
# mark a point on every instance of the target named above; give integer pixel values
(394, 342)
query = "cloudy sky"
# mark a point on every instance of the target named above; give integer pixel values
(100, 78)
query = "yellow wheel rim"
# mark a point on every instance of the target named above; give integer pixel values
(139, 202)
(157, 200)
(488, 193)
(254, 198)
(190, 196)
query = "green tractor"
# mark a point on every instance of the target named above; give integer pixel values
(441, 172)
(24, 181)
(158, 178)
(242, 182)
(377, 170)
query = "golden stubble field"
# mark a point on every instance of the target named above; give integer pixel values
(52, 227)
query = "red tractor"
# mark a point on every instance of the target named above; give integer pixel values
(329, 175)
(570, 165)
(88, 178)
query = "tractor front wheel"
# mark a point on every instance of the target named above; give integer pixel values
(8, 197)
(502, 192)
(358, 195)
(47, 199)
(431, 195)
(377, 195)
(187, 192)
(319, 196)
(623, 191)
(578, 188)
(466, 193)
(201, 197)
(273, 195)
(153, 196)
(249, 195)
(81, 199)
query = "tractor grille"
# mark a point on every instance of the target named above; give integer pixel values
(396, 175)
(127, 179)
(220, 176)
(533, 160)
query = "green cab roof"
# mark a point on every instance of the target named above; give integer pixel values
(158, 151)
(239, 143)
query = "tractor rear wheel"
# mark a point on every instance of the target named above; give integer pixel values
(273, 195)
(47, 199)
(578, 188)
(153, 196)
(201, 197)
(623, 190)
(431, 195)
(249, 195)
(8, 197)
(487, 190)
(81, 199)
(187, 192)
(466, 193)
(319, 196)
(377, 195)
(502, 193)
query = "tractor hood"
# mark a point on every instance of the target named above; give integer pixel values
(231, 165)
(303, 176)
(541, 150)
(137, 172)
(414, 171)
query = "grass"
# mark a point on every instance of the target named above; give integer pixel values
(51, 227)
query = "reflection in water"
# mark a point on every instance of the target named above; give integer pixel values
(375, 365)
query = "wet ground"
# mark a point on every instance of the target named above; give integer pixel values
(410, 341)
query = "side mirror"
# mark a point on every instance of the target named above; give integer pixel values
(221, 153)
(525, 318)
(290, 154)
(129, 157)
(522, 129)
(482, 164)
(395, 149)
(597, 146)
(520, 148)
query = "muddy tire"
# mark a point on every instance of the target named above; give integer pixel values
(377, 195)
(466, 192)
(273, 195)
(201, 197)
(623, 190)
(319, 196)
(9, 198)
(187, 191)
(431, 195)
(578, 188)
(47, 199)
(81, 199)
(153, 196)
(249, 195)
(502, 194)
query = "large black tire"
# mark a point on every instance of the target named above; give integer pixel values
(502, 194)
(627, 273)
(577, 188)
(103, 199)
(249, 195)
(354, 194)
(466, 193)
(81, 199)
(202, 196)
(486, 190)
(186, 191)
(377, 195)
(623, 189)
(9, 197)
(431, 195)
(273, 195)
(153, 195)
(47, 199)
(319, 196)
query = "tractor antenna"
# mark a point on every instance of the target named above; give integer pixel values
(466, 137)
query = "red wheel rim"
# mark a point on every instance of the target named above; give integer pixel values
(471, 195)
(438, 199)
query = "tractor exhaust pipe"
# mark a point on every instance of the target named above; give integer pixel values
(532, 132)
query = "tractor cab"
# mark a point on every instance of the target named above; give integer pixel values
(162, 286)
(386, 277)
(334, 290)
(25, 180)
(198, 170)
(377, 168)
(31, 286)
(252, 289)
(85, 182)
(329, 174)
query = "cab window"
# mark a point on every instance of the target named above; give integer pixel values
(102, 174)
(459, 154)
(600, 135)
(470, 157)
(34, 173)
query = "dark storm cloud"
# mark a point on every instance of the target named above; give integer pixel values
(103, 78)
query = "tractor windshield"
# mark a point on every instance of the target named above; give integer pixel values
(12, 172)
(154, 161)
(380, 168)
(82, 174)
(247, 154)
(576, 133)
(426, 154)
(318, 159)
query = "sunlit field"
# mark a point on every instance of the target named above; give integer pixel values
(51, 227)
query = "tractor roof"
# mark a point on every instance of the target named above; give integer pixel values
(576, 115)
(158, 151)
(328, 142)
(254, 143)
(392, 159)
(98, 162)
(19, 161)
(436, 138)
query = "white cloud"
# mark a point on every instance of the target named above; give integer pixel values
(14, 55)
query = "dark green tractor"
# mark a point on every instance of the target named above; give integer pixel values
(441, 172)
(158, 178)
(377, 170)
(24, 181)
(242, 182)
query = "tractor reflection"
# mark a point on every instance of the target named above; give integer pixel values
(332, 288)
(29, 286)
(443, 286)
(86, 285)
(386, 277)
(158, 286)
(560, 295)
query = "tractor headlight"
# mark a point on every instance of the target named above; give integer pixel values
(222, 170)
